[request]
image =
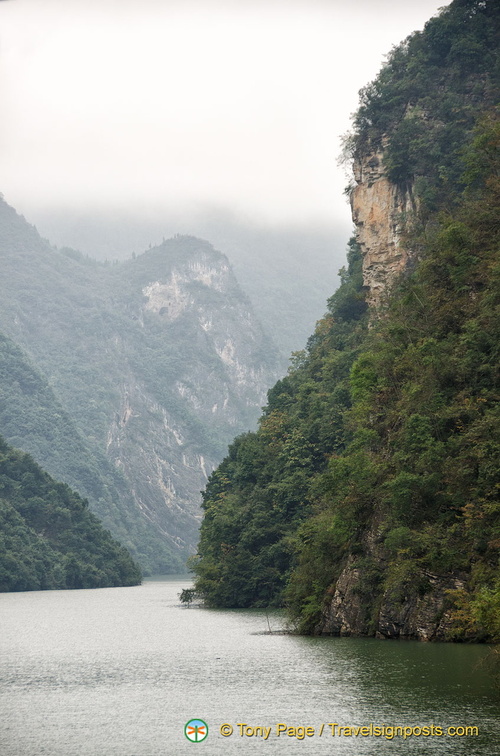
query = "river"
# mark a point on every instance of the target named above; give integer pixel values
(120, 671)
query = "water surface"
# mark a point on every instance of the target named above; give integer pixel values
(119, 671)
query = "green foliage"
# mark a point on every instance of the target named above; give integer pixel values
(121, 402)
(31, 417)
(187, 596)
(485, 609)
(423, 105)
(381, 448)
(423, 459)
(261, 493)
(48, 537)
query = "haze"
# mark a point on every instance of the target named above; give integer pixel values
(175, 107)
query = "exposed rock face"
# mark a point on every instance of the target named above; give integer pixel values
(154, 453)
(380, 211)
(220, 384)
(409, 602)
(403, 614)
(422, 617)
(344, 615)
(157, 363)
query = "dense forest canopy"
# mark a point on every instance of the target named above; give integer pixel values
(379, 452)
(423, 105)
(49, 538)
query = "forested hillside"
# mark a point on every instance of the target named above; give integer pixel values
(48, 537)
(368, 499)
(33, 418)
(128, 381)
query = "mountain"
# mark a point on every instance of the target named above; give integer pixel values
(127, 381)
(48, 537)
(367, 501)
(31, 417)
(287, 272)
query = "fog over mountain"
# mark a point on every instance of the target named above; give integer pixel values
(218, 118)
(272, 263)
(125, 124)
(170, 104)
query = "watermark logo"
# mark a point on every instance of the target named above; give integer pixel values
(196, 730)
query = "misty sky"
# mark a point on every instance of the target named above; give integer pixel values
(157, 103)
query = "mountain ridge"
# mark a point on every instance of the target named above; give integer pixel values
(155, 390)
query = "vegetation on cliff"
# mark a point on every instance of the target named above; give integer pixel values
(381, 447)
(422, 107)
(128, 381)
(257, 498)
(48, 537)
(32, 418)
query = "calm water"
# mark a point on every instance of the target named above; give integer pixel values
(120, 671)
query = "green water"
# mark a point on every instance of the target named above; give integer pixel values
(120, 671)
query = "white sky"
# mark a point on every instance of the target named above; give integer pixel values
(159, 103)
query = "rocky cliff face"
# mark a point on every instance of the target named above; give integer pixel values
(401, 612)
(372, 598)
(168, 434)
(158, 362)
(380, 211)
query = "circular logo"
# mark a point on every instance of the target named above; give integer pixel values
(196, 730)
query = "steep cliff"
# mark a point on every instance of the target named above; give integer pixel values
(413, 158)
(417, 605)
(181, 403)
(413, 153)
(382, 213)
(368, 499)
(156, 362)
(411, 132)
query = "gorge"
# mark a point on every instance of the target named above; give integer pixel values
(128, 381)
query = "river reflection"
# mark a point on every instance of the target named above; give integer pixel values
(120, 671)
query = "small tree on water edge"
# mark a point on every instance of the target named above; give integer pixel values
(187, 596)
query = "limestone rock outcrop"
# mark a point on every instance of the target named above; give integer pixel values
(147, 370)
(380, 211)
